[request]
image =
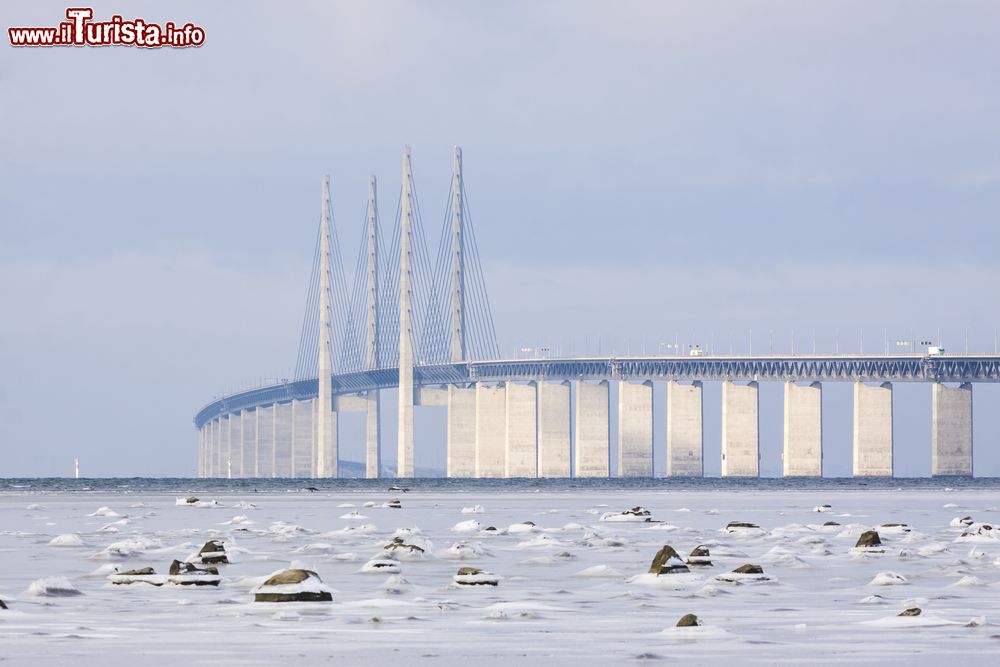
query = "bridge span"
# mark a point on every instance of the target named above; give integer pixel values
(423, 327)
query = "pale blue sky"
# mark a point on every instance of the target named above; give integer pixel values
(634, 168)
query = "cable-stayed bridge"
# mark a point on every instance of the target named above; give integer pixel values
(417, 319)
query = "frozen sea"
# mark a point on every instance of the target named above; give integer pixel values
(571, 586)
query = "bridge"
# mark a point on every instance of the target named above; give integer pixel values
(425, 329)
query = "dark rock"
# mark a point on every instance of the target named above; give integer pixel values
(688, 621)
(293, 576)
(191, 500)
(740, 524)
(699, 557)
(491, 529)
(397, 543)
(666, 561)
(138, 573)
(869, 538)
(213, 553)
(3, 605)
(638, 511)
(398, 489)
(831, 523)
(395, 504)
(472, 576)
(311, 489)
(463, 571)
(912, 611)
(749, 568)
(178, 567)
(527, 523)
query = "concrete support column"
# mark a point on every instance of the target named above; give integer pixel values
(283, 439)
(265, 436)
(553, 429)
(491, 430)
(217, 458)
(373, 435)
(803, 447)
(303, 422)
(249, 443)
(256, 442)
(461, 431)
(740, 430)
(635, 429)
(593, 430)
(325, 441)
(521, 459)
(951, 430)
(684, 429)
(873, 430)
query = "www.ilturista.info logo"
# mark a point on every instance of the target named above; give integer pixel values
(80, 30)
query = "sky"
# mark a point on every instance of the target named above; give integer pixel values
(640, 172)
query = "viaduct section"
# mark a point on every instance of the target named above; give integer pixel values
(422, 326)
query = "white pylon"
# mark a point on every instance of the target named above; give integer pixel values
(404, 439)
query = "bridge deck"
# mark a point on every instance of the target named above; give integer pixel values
(830, 368)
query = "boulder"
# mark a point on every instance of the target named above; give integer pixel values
(394, 504)
(398, 489)
(688, 621)
(213, 553)
(666, 561)
(473, 576)
(912, 611)
(699, 557)
(740, 524)
(3, 605)
(633, 514)
(398, 543)
(383, 565)
(749, 568)
(293, 585)
(869, 539)
(178, 567)
(831, 523)
(143, 575)
(637, 511)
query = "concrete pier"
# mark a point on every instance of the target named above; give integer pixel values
(217, 447)
(684, 429)
(635, 429)
(265, 441)
(951, 430)
(554, 429)
(282, 440)
(491, 430)
(373, 435)
(304, 424)
(740, 430)
(461, 431)
(521, 458)
(249, 443)
(803, 432)
(593, 430)
(873, 430)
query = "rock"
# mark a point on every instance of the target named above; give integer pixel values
(699, 557)
(831, 523)
(962, 521)
(633, 514)
(293, 585)
(473, 576)
(397, 489)
(740, 524)
(869, 539)
(213, 553)
(749, 568)
(666, 561)
(3, 605)
(144, 575)
(490, 529)
(383, 565)
(912, 611)
(688, 621)
(394, 504)
(178, 567)
(398, 545)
